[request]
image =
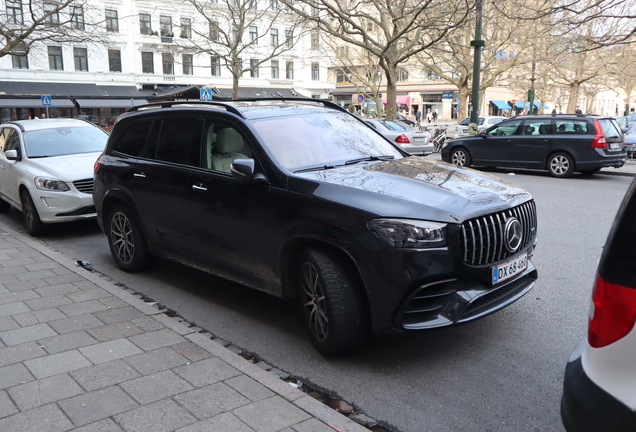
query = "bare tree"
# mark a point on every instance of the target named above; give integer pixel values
(390, 30)
(235, 29)
(25, 23)
(623, 71)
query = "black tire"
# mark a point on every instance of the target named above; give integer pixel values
(126, 241)
(561, 165)
(34, 224)
(460, 157)
(333, 303)
(4, 206)
(590, 172)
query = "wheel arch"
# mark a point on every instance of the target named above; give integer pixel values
(114, 197)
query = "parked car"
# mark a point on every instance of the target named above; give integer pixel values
(561, 144)
(403, 119)
(462, 129)
(599, 387)
(412, 140)
(299, 198)
(46, 169)
(630, 140)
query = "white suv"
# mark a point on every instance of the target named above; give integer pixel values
(599, 390)
(461, 129)
(46, 169)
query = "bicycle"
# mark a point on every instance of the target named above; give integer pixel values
(439, 139)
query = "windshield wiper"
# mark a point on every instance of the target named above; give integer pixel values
(369, 158)
(317, 168)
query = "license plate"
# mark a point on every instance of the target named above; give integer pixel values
(615, 146)
(419, 139)
(511, 268)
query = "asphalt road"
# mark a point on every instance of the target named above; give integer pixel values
(502, 373)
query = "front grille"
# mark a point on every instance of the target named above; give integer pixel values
(84, 186)
(482, 238)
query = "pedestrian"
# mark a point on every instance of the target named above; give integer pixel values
(418, 116)
(429, 115)
(578, 110)
(554, 111)
(435, 116)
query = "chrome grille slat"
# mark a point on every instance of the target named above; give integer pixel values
(483, 237)
(84, 186)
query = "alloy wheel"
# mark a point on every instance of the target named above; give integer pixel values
(314, 304)
(560, 165)
(122, 237)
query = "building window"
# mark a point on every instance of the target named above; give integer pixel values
(216, 66)
(273, 5)
(254, 34)
(289, 38)
(14, 11)
(55, 58)
(289, 70)
(402, 75)
(145, 24)
(20, 59)
(114, 60)
(342, 77)
(236, 37)
(315, 41)
(253, 4)
(147, 63)
(81, 59)
(168, 63)
(112, 22)
(273, 35)
(343, 52)
(254, 68)
(186, 28)
(77, 18)
(165, 27)
(431, 75)
(275, 71)
(186, 59)
(52, 15)
(315, 72)
(214, 31)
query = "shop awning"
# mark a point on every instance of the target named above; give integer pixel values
(35, 103)
(500, 104)
(401, 100)
(109, 103)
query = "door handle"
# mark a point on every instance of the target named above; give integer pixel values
(140, 175)
(199, 187)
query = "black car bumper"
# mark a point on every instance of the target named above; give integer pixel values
(586, 407)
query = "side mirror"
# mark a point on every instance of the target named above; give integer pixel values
(243, 171)
(12, 155)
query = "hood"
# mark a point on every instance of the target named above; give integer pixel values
(413, 187)
(68, 168)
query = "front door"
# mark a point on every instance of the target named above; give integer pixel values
(494, 148)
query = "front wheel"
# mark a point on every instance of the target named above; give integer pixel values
(332, 302)
(127, 243)
(460, 157)
(34, 224)
(561, 165)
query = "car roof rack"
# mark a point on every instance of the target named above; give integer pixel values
(229, 105)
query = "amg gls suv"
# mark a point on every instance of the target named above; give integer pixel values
(299, 198)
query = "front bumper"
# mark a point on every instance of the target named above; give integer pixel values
(67, 206)
(586, 407)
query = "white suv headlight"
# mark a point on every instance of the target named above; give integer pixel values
(50, 184)
(408, 233)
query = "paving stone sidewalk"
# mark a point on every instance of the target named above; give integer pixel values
(78, 352)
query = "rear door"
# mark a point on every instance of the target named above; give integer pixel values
(533, 143)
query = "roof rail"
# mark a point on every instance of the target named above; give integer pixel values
(228, 105)
(17, 124)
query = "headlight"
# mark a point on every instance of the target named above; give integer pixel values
(50, 184)
(407, 233)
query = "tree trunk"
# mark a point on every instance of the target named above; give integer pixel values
(462, 109)
(574, 97)
(391, 74)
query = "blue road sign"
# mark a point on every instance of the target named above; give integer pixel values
(46, 100)
(205, 94)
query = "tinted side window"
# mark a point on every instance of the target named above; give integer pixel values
(179, 140)
(507, 128)
(572, 127)
(537, 127)
(136, 141)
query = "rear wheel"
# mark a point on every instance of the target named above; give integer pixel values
(126, 241)
(561, 165)
(460, 157)
(332, 302)
(34, 224)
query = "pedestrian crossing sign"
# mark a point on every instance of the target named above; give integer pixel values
(46, 100)
(205, 94)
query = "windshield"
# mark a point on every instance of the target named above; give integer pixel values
(62, 141)
(396, 125)
(323, 139)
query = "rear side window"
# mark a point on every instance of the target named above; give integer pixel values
(537, 127)
(572, 127)
(136, 141)
(179, 140)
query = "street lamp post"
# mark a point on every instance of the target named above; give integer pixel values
(477, 43)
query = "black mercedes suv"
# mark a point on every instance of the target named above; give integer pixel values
(299, 198)
(561, 144)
